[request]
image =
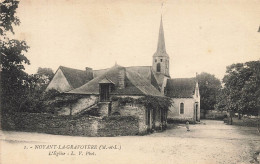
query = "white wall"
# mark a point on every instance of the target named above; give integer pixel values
(189, 104)
(59, 82)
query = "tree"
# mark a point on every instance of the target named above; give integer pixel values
(221, 100)
(224, 103)
(44, 76)
(242, 85)
(14, 80)
(47, 72)
(8, 17)
(209, 87)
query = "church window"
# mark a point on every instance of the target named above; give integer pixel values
(158, 68)
(155, 60)
(181, 108)
(161, 60)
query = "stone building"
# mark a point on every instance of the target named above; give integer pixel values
(100, 86)
(66, 79)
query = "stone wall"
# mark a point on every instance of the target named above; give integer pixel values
(132, 109)
(137, 111)
(103, 108)
(67, 125)
(118, 126)
(80, 105)
(140, 111)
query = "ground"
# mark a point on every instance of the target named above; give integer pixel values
(208, 142)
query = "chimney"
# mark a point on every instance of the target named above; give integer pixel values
(121, 78)
(89, 72)
(89, 69)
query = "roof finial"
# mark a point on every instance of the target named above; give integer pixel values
(161, 10)
(196, 78)
(116, 63)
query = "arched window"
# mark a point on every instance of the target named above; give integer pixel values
(161, 60)
(155, 60)
(158, 69)
(181, 108)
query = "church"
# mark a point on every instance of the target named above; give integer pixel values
(99, 86)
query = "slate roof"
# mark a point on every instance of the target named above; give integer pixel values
(147, 73)
(135, 84)
(141, 83)
(99, 72)
(75, 77)
(106, 81)
(159, 78)
(180, 87)
(144, 71)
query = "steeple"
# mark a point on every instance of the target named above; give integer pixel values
(161, 50)
(160, 57)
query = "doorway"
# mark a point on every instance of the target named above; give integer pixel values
(196, 111)
(104, 92)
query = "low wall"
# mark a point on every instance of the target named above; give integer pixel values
(181, 120)
(118, 126)
(67, 125)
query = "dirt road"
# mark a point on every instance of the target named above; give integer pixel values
(208, 142)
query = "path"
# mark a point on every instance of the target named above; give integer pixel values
(207, 143)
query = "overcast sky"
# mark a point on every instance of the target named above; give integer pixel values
(200, 35)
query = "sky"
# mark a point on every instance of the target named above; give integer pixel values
(200, 35)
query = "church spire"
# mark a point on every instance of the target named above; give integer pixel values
(161, 50)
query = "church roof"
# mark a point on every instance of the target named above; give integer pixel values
(180, 87)
(75, 77)
(144, 71)
(135, 84)
(161, 49)
(147, 73)
(142, 84)
(159, 78)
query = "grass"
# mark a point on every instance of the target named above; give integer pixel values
(249, 122)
